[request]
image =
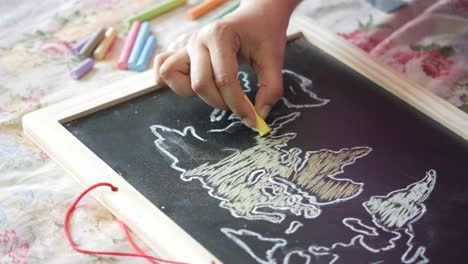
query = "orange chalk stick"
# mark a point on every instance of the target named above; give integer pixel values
(203, 8)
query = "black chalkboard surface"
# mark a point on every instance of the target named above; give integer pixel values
(349, 174)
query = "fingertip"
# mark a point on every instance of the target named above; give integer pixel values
(157, 79)
(159, 59)
(264, 111)
(266, 99)
(248, 122)
(271, 85)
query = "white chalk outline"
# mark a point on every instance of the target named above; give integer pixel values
(279, 242)
(321, 250)
(281, 121)
(298, 252)
(430, 173)
(392, 242)
(304, 84)
(419, 252)
(217, 115)
(409, 227)
(245, 78)
(293, 227)
(160, 139)
(222, 130)
(373, 231)
(255, 175)
(358, 238)
(302, 211)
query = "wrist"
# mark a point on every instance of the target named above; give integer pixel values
(274, 11)
(287, 6)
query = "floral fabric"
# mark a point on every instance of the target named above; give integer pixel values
(427, 41)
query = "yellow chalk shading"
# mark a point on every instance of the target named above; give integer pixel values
(104, 46)
(260, 124)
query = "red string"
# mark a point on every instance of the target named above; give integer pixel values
(141, 254)
(130, 239)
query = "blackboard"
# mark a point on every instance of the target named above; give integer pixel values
(350, 173)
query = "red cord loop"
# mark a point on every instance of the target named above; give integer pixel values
(140, 253)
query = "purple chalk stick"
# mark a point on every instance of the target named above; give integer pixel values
(78, 46)
(80, 70)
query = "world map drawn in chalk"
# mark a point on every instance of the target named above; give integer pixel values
(274, 181)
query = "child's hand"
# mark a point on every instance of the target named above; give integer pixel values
(208, 65)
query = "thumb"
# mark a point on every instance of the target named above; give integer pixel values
(270, 80)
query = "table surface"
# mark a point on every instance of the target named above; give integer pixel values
(427, 41)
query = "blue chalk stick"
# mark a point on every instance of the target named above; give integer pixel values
(146, 53)
(143, 34)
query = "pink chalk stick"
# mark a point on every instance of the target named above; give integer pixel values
(127, 48)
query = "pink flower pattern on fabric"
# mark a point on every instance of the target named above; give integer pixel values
(56, 48)
(12, 250)
(432, 62)
(362, 39)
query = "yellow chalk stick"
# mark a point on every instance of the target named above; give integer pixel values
(260, 124)
(104, 46)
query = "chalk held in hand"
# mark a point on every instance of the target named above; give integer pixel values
(143, 34)
(94, 40)
(146, 54)
(155, 11)
(83, 68)
(203, 8)
(78, 46)
(127, 48)
(260, 124)
(101, 50)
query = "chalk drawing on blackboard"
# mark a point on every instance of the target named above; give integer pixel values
(157, 129)
(302, 89)
(289, 182)
(227, 128)
(305, 86)
(418, 253)
(217, 114)
(358, 226)
(401, 207)
(302, 254)
(267, 258)
(393, 234)
(394, 214)
(284, 185)
(270, 180)
(293, 227)
(244, 80)
(242, 238)
(267, 180)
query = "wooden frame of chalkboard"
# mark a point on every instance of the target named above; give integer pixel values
(45, 128)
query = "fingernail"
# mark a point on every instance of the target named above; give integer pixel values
(248, 122)
(265, 111)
